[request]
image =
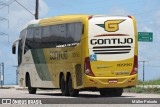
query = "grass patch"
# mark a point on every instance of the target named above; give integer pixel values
(150, 82)
(147, 90)
(143, 90)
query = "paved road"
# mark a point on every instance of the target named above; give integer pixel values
(14, 93)
(94, 98)
(18, 93)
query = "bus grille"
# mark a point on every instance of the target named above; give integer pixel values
(111, 49)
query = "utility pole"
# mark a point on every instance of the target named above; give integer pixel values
(143, 71)
(36, 10)
(2, 74)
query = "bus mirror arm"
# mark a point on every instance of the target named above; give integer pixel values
(14, 46)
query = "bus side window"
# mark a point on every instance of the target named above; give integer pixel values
(74, 32)
(20, 46)
(29, 40)
(37, 38)
(61, 34)
(19, 52)
(78, 31)
(70, 33)
(54, 35)
(45, 40)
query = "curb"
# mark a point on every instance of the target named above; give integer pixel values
(13, 86)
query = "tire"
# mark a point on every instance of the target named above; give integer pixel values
(111, 92)
(104, 92)
(118, 92)
(63, 86)
(72, 92)
(31, 90)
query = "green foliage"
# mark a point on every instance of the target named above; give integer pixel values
(143, 90)
(150, 82)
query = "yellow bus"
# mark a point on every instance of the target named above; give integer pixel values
(77, 53)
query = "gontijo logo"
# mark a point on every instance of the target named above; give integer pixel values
(111, 25)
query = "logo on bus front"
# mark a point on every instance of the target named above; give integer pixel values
(111, 25)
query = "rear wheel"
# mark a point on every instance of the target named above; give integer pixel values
(72, 92)
(117, 92)
(63, 86)
(31, 90)
(111, 92)
(104, 92)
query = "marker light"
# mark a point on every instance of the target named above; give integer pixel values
(135, 66)
(87, 67)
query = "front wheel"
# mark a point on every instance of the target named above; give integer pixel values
(72, 92)
(31, 90)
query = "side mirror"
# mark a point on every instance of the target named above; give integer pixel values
(14, 46)
(14, 49)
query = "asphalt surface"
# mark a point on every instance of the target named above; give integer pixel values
(23, 93)
(85, 98)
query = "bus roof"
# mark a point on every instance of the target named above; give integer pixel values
(62, 19)
(41, 22)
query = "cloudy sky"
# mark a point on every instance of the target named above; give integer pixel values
(146, 12)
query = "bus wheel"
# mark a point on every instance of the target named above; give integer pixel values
(72, 92)
(31, 90)
(104, 92)
(63, 86)
(117, 92)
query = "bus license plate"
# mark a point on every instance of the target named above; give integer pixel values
(113, 81)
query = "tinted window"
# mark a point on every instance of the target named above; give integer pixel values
(20, 46)
(78, 31)
(29, 39)
(74, 32)
(70, 33)
(62, 30)
(45, 42)
(52, 36)
(61, 34)
(37, 38)
(19, 52)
